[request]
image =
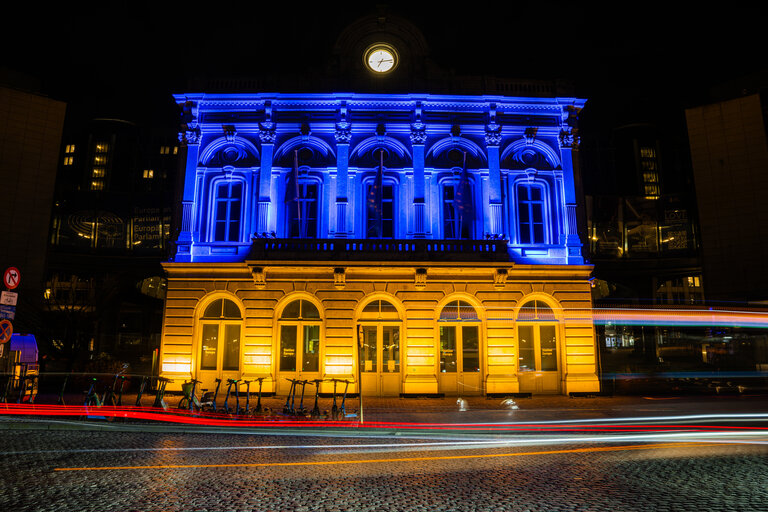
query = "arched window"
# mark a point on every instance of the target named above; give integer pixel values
(537, 334)
(227, 211)
(459, 328)
(531, 213)
(380, 208)
(380, 357)
(300, 337)
(220, 341)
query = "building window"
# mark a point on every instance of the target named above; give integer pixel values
(220, 343)
(380, 216)
(457, 214)
(98, 172)
(300, 337)
(99, 159)
(302, 210)
(649, 167)
(148, 174)
(70, 148)
(228, 211)
(537, 336)
(531, 213)
(164, 150)
(97, 184)
(68, 160)
(459, 340)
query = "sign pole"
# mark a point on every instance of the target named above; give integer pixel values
(360, 370)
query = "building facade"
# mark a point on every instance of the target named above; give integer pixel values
(427, 243)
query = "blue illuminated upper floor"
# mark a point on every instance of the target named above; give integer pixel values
(380, 167)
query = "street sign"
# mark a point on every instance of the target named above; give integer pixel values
(7, 312)
(8, 298)
(11, 277)
(6, 329)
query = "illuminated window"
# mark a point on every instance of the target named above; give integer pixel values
(459, 342)
(99, 159)
(70, 148)
(530, 210)
(148, 174)
(101, 147)
(537, 340)
(98, 172)
(300, 337)
(164, 150)
(220, 343)
(228, 211)
(649, 166)
(175, 150)
(68, 160)
(97, 185)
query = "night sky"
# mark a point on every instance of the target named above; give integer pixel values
(126, 59)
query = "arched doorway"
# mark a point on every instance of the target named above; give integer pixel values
(459, 344)
(380, 357)
(538, 359)
(220, 338)
(299, 351)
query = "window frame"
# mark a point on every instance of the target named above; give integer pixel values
(386, 182)
(546, 213)
(213, 209)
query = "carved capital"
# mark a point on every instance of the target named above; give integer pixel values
(492, 134)
(189, 137)
(267, 133)
(340, 278)
(418, 133)
(343, 133)
(569, 138)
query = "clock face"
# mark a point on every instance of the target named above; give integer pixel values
(380, 59)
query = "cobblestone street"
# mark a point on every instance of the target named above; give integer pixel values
(140, 471)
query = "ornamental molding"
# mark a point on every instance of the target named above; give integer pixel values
(418, 133)
(343, 132)
(259, 277)
(267, 133)
(492, 134)
(339, 278)
(530, 135)
(420, 278)
(500, 278)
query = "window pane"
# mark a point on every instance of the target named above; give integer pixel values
(231, 310)
(209, 347)
(548, 348)
(214, 309)
(387, 307)
(231, 347)
(291, 310)
(369, 348)
(308, 310)
(527, 360)
(470, 349)
(450, 312)
(391, 349)
(538, 233)
(310, 359)
(448, 349)
(288, 348)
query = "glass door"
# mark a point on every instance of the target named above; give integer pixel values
(380, 360)
(459, 372)
(299, 356)
(538, 369)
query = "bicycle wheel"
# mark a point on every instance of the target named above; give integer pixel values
(184, 403)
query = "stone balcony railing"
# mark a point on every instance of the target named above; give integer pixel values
(376, 249)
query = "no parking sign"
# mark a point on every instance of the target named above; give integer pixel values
(6, 329)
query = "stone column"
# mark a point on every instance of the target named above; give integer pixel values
(418, 139)
(343, 136)
(495, 207)
(267, 137)
(569, 143)
(189, 137)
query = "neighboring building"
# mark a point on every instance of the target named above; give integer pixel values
(729, 150)
(30, 137)
(312, 222)
(110, 231)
